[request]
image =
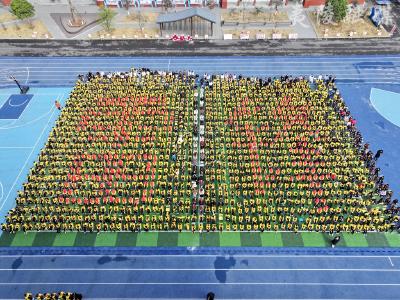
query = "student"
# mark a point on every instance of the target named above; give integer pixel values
(378, 154)
(335, 241)
(57, 104)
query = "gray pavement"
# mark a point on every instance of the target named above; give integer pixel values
(199, 47)
(297, 14)
(300, 22)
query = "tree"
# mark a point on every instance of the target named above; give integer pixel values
(339, 9)
(210, 4)
(106, 17)
(23, 10)
(258, 10)
(167, 4)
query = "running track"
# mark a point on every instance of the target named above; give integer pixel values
(190, 274)
(52, 71)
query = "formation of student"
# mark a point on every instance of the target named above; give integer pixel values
(153, 150)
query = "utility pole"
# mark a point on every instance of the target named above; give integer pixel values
(23, 89)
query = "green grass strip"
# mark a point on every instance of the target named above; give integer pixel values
(393, 239)
(316, 239)
(188, 239)
(107, 239)
(167, 239)
(126, 239)
(355, 240)
(291, 239)
(209, 239)
(21, 239)
(85, 239)
(271, 239)
(230, 239)
(250, 239)
(147, 239)
(44, 239)
(65, 239)
(6, 239)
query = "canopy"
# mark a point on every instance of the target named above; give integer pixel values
(203, 13)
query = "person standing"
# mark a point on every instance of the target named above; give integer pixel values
(335, 240)
(378, 154)
(210, 296)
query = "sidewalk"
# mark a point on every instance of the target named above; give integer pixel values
(300, 23)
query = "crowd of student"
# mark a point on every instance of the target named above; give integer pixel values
(53, 296)
(118, 158)
(282, 155)
(146, 150)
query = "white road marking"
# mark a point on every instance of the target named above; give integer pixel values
(263, 256)
(390, 260)
(203, 283)
(204, 269)
(2, 191)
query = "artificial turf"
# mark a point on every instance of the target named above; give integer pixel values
(189, 239)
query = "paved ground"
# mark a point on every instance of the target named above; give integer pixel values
(297, 14)
(304, 47)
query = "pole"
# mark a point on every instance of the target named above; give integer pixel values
(16, 81)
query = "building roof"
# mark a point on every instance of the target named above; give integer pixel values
(203, 13)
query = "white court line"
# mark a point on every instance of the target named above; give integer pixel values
(203, 269)
(390, 260)
(203, 283)
(15, 147)
(29, 156)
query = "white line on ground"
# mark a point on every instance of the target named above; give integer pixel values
(15, 147)
(202, 283)
(27, 77)
(390, 260)
(204, 269)
(263, 256)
